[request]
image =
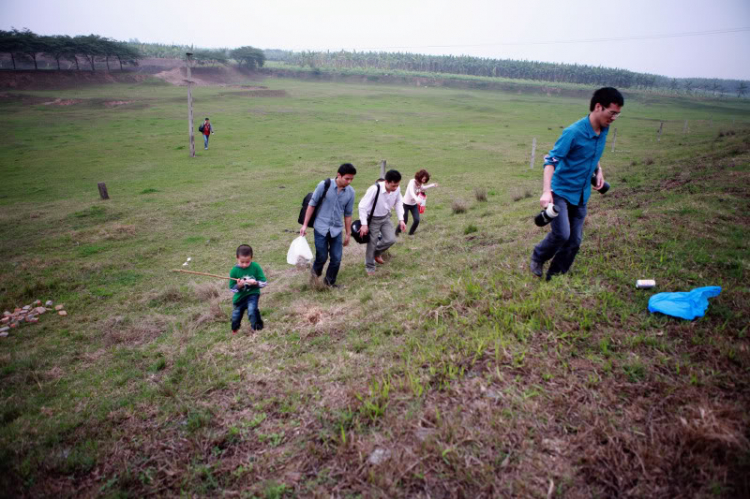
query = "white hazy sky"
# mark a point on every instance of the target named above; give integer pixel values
(631, 34)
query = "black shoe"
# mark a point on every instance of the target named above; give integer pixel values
(536, 268)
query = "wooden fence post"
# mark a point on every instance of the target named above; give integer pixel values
(533, 153)
(658, 135)
(382, 169)
(190, 104)
(103, 190)
(614, 140)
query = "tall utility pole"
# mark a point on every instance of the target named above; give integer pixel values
(189, 81)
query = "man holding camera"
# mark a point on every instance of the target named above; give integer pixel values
(568, 169)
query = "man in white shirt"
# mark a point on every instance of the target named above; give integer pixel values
(389, 198)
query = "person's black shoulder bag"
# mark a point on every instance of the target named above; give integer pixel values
(358, 224)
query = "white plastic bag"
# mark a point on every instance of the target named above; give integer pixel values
(299, 252)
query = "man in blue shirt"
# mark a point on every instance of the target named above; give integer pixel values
(338, 203)
(568, 169)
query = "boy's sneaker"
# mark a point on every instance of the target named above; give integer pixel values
(235, 331)
(536, 268)
(379, 259)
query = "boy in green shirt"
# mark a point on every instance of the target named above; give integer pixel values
(247, 289)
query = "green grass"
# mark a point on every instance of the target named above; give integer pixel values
(466, 368)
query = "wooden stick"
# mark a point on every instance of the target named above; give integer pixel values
(203, 273)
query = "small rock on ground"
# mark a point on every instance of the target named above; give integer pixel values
(378, 456)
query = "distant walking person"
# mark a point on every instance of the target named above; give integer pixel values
(206, 129)
(333, 204)
(389, 197)
(568, 169)
(414, 188)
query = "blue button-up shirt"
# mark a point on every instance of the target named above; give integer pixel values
(336, 205)
(575, 157)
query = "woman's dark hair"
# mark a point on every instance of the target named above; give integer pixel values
(421, 174)
(606, 96)
(244, 250)
(392, 176)
(347, 169)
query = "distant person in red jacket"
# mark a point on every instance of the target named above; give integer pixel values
(206, 129)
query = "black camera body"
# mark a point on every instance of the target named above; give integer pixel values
(604, 188)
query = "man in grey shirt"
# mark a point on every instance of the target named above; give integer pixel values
(338, 203)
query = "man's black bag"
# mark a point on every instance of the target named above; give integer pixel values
(201, 128)
(358, 224)
(306, 202)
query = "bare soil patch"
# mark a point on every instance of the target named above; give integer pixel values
(50, 80)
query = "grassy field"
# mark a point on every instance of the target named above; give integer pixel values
(453, 373)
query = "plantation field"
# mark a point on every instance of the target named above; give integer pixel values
(452, 373)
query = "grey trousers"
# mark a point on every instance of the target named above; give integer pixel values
(376, 246)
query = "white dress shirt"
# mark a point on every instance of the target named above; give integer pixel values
(386, 202)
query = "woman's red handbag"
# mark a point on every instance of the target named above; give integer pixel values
(422, 202)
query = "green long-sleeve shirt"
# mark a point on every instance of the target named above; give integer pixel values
(254, 271)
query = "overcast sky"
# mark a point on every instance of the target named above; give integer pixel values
(668, 37)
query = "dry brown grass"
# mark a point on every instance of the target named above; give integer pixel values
(134, 331)
(459, 206)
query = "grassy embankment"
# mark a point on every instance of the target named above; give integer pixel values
(474, 378)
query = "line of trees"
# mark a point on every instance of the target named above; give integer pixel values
(25, 45)
(507, 68)
(247, 56)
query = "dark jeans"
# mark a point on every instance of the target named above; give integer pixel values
(325, 245)
(563, 241)
(249, 303)
(414, 210)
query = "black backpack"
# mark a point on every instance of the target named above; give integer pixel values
(201, 128)
(306, 202)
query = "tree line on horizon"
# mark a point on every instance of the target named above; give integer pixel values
(25, 45)
(507, 68)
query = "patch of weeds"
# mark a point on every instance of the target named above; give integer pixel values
(170, 295)
(93, 216)
(149, 191)
(470, 228)
(365, 297)
(480, 193)
(197, 419)
(90, 249)
(374, 404)
(275, 490)
(459, 206)
(273, 439)
(193, 239)
(635, 371)
(648, 161)
(81, 459)
(257, 420)
(92, 212)
(159, 365)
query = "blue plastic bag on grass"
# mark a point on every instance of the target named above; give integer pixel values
(685, 305)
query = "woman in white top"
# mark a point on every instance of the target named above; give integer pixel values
(412, 200)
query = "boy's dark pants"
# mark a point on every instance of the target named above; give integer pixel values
(563, 241)
(249, 303)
